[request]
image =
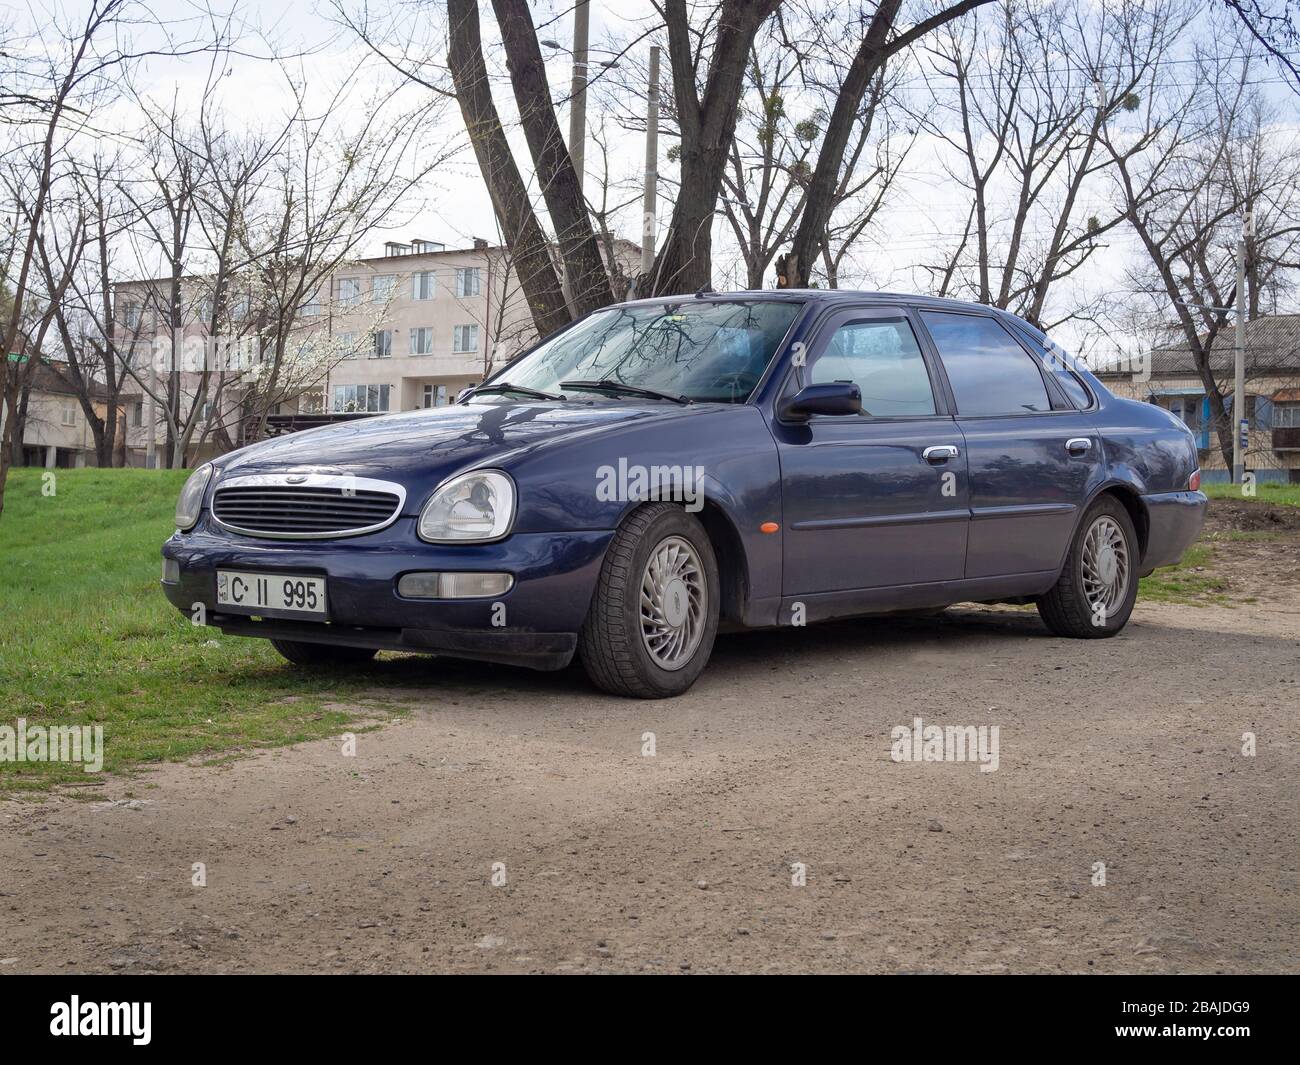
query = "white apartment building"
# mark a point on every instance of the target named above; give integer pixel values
(406, 329)
(421, 322)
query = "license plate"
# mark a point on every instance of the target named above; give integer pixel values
(271, 594)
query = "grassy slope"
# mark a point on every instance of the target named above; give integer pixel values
(1265, 492)
(86, 636)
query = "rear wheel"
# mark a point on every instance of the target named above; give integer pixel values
(654, 615)
(322, 654)
(1098, 586)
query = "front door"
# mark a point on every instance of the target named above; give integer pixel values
(875, 500)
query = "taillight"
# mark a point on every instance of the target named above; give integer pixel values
(1194, 481)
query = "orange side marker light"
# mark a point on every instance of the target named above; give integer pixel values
(768, 527)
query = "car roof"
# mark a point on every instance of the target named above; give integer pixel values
(831, 296)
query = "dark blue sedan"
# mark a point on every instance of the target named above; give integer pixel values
(666, 467)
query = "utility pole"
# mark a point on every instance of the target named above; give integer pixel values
(151, 418)
(649, 206)
(1241, 424)
(578, 88)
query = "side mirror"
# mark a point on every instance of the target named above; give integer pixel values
(834, 397)
(465, 392)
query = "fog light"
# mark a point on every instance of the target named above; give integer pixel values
(454, 585)
(171, 570)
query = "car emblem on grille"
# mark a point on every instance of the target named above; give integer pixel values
(295, 478)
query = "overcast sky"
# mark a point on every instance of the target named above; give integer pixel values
(453, 206)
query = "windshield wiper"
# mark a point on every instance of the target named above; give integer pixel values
(506, 386)
(619, 388)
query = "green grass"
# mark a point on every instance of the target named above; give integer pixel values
(1265, 492)
(86, 637)
(1182, 584)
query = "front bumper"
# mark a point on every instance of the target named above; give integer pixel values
(534, 624)
(1174, 521)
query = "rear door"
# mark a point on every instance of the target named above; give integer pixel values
(880, 498)
(1033, 456)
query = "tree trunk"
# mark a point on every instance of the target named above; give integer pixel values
(588, 279)
(519, 226)
(708, 126)
(869, 58)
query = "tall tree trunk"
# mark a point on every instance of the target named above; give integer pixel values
(708, 126)
(588, 278)
(871, 55)
(519, 225)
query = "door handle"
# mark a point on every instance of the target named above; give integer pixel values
(1078, 445)
(937, 454)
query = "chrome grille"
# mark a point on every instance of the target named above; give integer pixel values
(305, 507)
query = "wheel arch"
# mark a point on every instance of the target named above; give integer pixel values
(1131, 501)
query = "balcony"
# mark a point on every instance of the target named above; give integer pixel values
(1286, 439)
(442, 364)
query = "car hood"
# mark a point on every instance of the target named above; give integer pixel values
(422, 448)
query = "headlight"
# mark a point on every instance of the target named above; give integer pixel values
(474, 507)
(191, 500)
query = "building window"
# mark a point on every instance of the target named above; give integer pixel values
(132, 315)
(433, 396)
(464, 338)
(467, 283)
(422, 285)
(367, 399)
(349, 291)
(311, 306)
(422, 341)
(347, 343)
(383, 348)
(381, 289)
(137, 415)
(69, 414)
(1286, 415)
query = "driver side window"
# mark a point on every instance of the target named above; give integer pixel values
(881, 356)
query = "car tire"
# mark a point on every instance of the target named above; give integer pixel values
(660, 654)
(322, 654)
(1085, 602)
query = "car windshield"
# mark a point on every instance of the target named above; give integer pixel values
(703, 350)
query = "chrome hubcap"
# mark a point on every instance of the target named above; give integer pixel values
(1105, 566)
(674, 603)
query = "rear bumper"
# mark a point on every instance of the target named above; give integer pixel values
(534, 624)
(1174, 521)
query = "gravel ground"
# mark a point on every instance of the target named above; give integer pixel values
(1126, 752)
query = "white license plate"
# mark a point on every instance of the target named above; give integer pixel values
(271, 594)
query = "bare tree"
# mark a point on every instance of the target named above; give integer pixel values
(880, 40)
(55, 87)
(1021, 99)
(1212, 155)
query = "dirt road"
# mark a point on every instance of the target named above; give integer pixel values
(1126, 752)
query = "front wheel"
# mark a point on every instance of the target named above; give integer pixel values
(654, 616)
(322, 654)
(1098, 586)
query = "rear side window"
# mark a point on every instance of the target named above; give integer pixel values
(881, 356)
(989, 372)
